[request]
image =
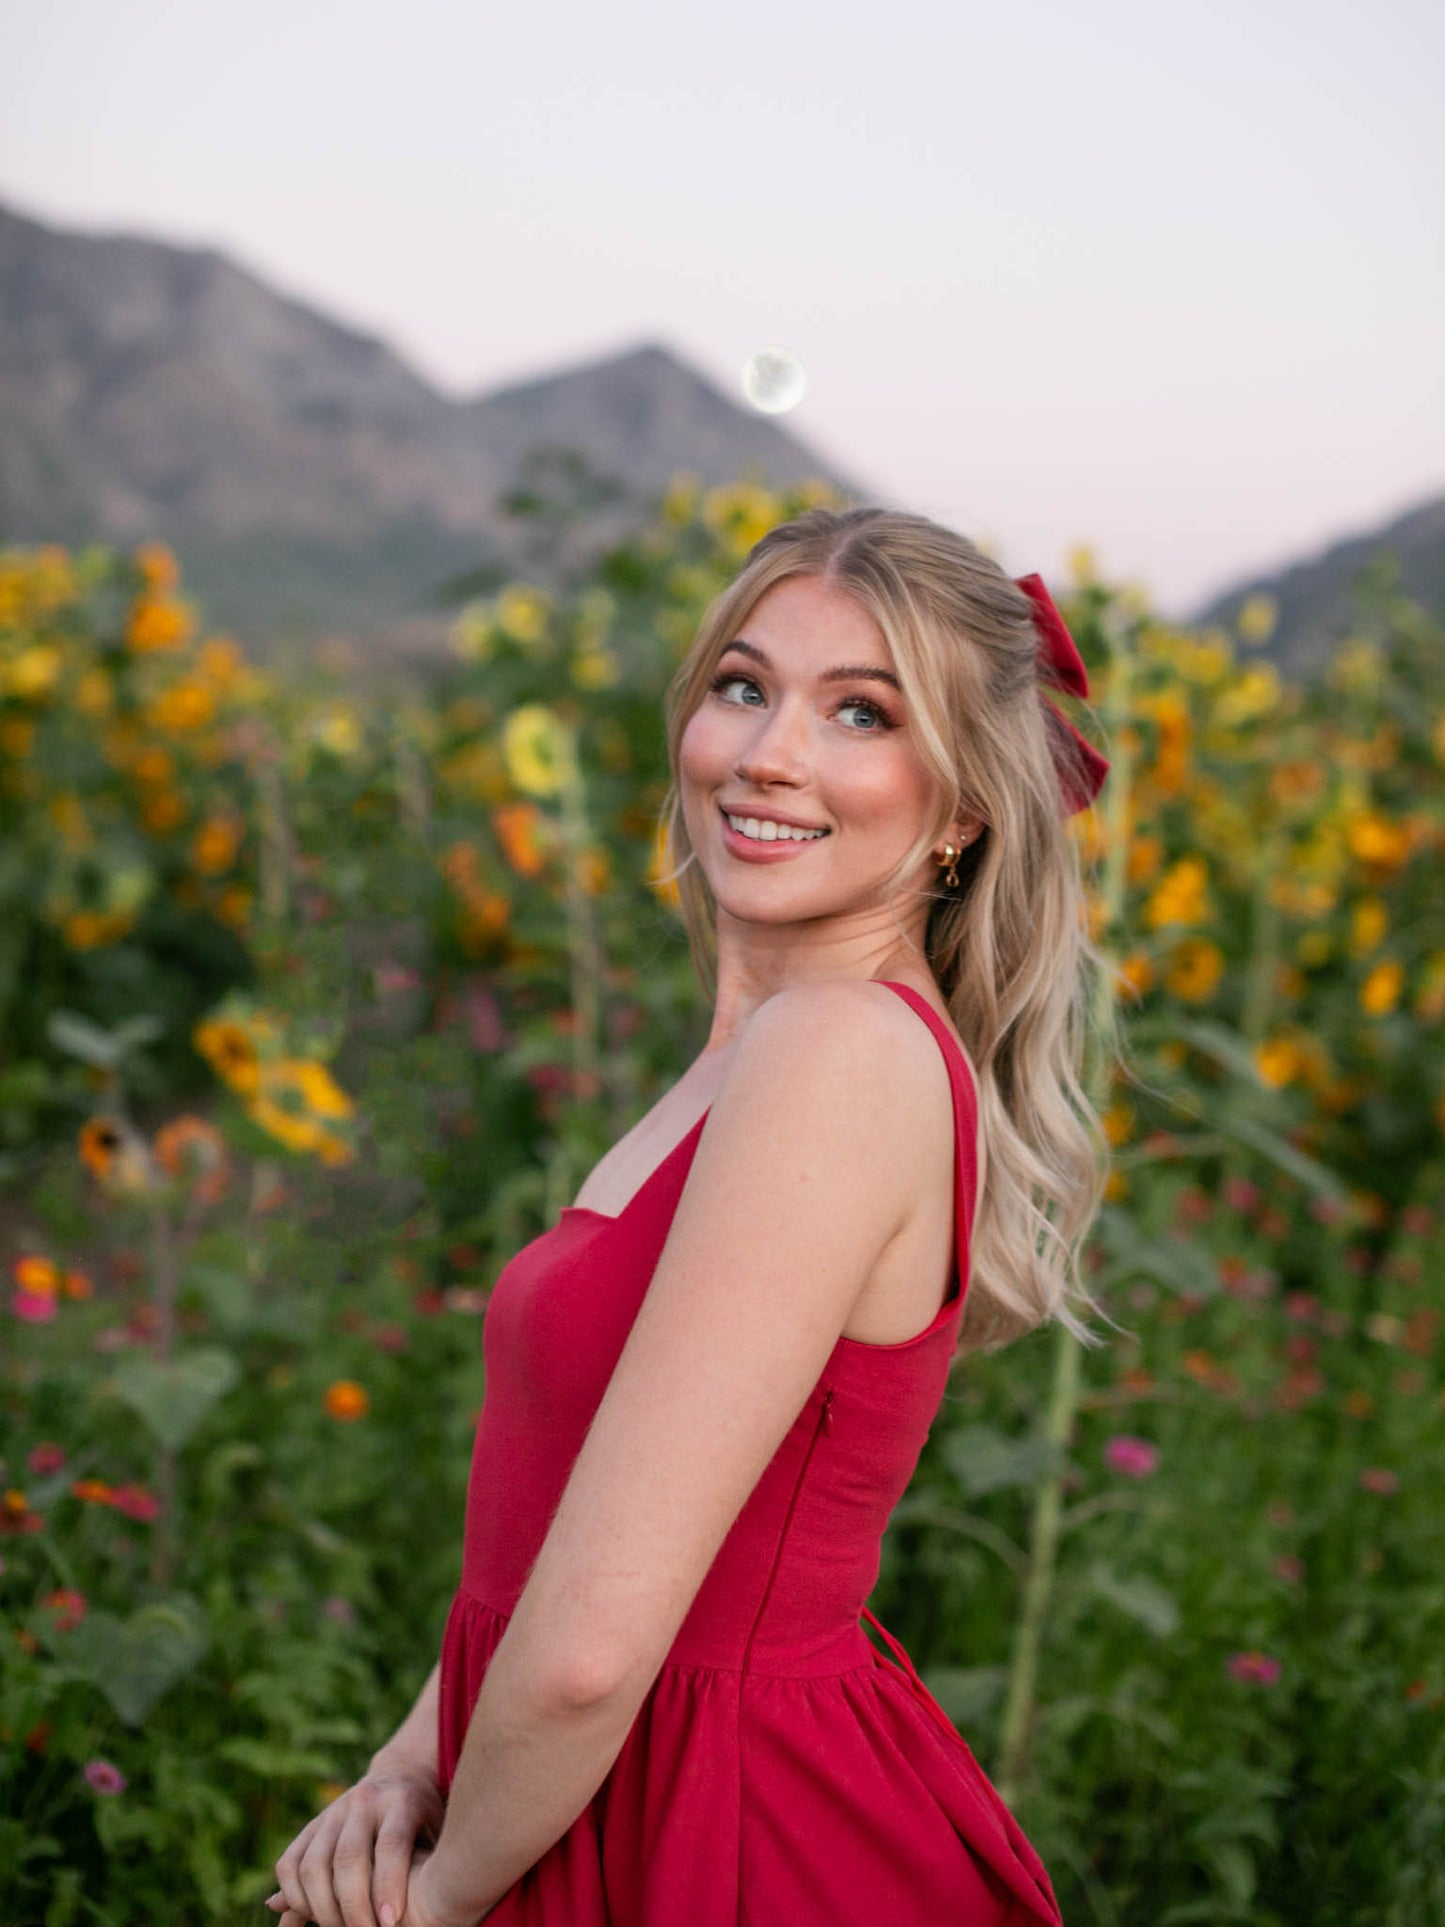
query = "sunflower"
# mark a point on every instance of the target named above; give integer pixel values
(538, 749)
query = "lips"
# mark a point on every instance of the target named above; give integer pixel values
(778, 850)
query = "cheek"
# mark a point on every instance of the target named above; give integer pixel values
(703, 750)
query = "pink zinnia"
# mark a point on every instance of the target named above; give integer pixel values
(36, 1308)
(135, 1502)
(1135, 1458)
(68, 1606)
(1240, 1194)
(1259, 1669)
(46, 1458)
(1378, 1478)
(104, 1777)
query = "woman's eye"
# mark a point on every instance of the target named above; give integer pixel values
(726, 681)
(875, 719)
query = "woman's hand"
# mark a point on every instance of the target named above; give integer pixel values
(349, 1867)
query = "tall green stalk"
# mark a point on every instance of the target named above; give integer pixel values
(1067, 1384)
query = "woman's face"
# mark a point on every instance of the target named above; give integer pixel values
(804, 726)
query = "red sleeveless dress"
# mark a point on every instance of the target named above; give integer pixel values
(780, 1772)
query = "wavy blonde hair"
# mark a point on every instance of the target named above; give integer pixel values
(1010, 948)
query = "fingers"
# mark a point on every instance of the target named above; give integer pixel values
(394, 1846)
(288, 1874)
(351, 1873)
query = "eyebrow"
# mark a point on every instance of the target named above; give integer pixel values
(844, 672)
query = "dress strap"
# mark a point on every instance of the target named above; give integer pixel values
(908, 1672)
(965, 1122)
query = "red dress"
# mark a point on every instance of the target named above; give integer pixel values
(780, 1772)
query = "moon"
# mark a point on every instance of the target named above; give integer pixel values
(773, 380)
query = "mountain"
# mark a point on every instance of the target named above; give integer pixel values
(310, 481)
(1315, 597)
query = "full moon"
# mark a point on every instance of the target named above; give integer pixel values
(773, 380)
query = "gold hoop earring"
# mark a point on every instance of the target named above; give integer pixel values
(950, 857)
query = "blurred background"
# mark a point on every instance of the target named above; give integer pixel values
(373, 434)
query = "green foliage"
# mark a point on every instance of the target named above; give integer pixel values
(313, 1010)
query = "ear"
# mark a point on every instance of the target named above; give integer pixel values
(961, 833)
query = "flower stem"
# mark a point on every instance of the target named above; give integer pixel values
(1066, 1389)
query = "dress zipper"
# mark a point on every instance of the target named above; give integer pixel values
(823, 1424)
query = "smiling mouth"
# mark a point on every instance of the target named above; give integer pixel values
(767, 829)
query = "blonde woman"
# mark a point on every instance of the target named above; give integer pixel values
(709, 1383)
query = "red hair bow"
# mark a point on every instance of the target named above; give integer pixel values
(1081, 768)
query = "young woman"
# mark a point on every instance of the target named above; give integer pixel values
(709, 1383)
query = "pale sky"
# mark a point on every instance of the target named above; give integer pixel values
(1167, 280)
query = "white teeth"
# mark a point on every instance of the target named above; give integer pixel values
(765, 830)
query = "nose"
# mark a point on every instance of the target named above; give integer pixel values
(776, 748)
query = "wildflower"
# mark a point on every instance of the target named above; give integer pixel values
(523, 833)
(104, 1777)
(291, 1099)
(1278, 1060)
(214, 845)
(1257, 618)
(92, 1491)
(595, 668)
(231, 1049)
(1288, 1567)
(46, 1458)
(34, 1307)
(36, 1275)
(1118, 1122)
(1258, 1669)
(340, 1610)
(522, 612)
(135, 1502)
(118, 1155)
(1358, 1404)
(1134, 1457)
(1241, 1194)
(347, 1401)
(1181, 895)
(1378, 843)
(1136, 974)
(16, 1514)
(75, 1284)
(1195, 969)
(68, 1606)
(1378, 1478)
(1380, 992)
(538, 749)
(192, 1149)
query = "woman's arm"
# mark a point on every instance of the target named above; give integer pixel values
(414, 1743)
(795, 1188)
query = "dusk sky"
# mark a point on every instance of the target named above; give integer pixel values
(1165, 280)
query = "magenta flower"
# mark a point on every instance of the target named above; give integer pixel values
(1133, 1457)
(1289, 1568)
(45, 1458)
(341, 1610)
(1240, 1194)
(135, 1502)
(35, 1307)
(1258, 1669)
(1378, 1478)
(104, 1777)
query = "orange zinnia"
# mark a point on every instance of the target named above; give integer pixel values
(346, 1400)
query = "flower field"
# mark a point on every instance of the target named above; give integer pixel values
(314, 1007)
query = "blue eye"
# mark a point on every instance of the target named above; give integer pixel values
(728, 676)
